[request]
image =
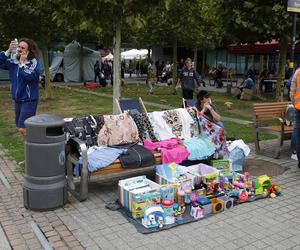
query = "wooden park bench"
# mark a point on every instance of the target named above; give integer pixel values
(78, 186)
(269, 118)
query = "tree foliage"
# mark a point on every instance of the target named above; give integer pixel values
(252, 21)
(31, 19)
(255, 20)
(192, 23)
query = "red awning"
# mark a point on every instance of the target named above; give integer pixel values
(259, 48)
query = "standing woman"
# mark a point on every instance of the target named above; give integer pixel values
(189, 77)
(24, 73)
(150, 77)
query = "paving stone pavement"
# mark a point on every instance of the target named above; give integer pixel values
(263, 224)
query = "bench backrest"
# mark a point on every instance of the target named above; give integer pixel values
(126, 105)
(136, 105)
(188, 102)
(267, 111)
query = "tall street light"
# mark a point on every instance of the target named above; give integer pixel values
(294, 7)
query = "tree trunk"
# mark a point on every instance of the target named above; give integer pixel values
(261, 69)
(203, 62)
(174, 73)
(195, 57)
(117, 65)
(48, 90)
(283, 44)
(81, 63)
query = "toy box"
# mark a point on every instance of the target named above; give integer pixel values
(170, 173)
(205, 203)
(203, 172)
(175, 175)
(224, 166)
(133, 186)
(140, 201)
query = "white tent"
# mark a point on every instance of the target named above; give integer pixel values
(71, 63)
(134, 53)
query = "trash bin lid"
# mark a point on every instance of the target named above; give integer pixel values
(45, 129)
(44, 120)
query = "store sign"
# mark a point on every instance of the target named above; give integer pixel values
(293, 5)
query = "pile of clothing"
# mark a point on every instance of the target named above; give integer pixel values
(179, 134)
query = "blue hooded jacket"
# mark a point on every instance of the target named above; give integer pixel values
(24, 78)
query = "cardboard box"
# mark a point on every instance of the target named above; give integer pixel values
(175, 175)
(246, 94)
(203, 172)
(172, 173)
(134, 186)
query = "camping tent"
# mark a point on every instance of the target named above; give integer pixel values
(71, 63)
(134, 53)
(56, 64)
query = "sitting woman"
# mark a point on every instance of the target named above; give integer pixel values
(205, 106)
(247, 84)
(210, 122)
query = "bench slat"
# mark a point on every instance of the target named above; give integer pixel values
(116, 167)
(287, 129)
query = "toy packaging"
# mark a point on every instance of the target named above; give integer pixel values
(224, 166)
(175, 175)
(133, 186)
(140, 201)
(172, 173)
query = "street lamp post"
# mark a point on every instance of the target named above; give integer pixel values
(294, 7)
(292, 64)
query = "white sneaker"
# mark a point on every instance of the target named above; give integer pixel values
(294, 157)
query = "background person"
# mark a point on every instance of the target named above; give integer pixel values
(247, 84)
(218, 76)
(188, 77)
(295, 98)
(97, 71)
(150, 77)
(24, 74)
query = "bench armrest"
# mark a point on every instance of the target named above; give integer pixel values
(82, 148)
(281, 123)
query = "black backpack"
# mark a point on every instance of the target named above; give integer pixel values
(84, 128)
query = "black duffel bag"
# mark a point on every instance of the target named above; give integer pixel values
(137, 156)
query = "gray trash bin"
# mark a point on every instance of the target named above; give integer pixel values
(45, 185)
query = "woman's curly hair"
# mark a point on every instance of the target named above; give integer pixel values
(32, 48)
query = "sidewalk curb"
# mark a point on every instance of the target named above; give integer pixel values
(4, 244)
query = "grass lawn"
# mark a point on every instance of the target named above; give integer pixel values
(68, 103)
(164, 95)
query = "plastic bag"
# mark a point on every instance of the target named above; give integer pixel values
(237, 157)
